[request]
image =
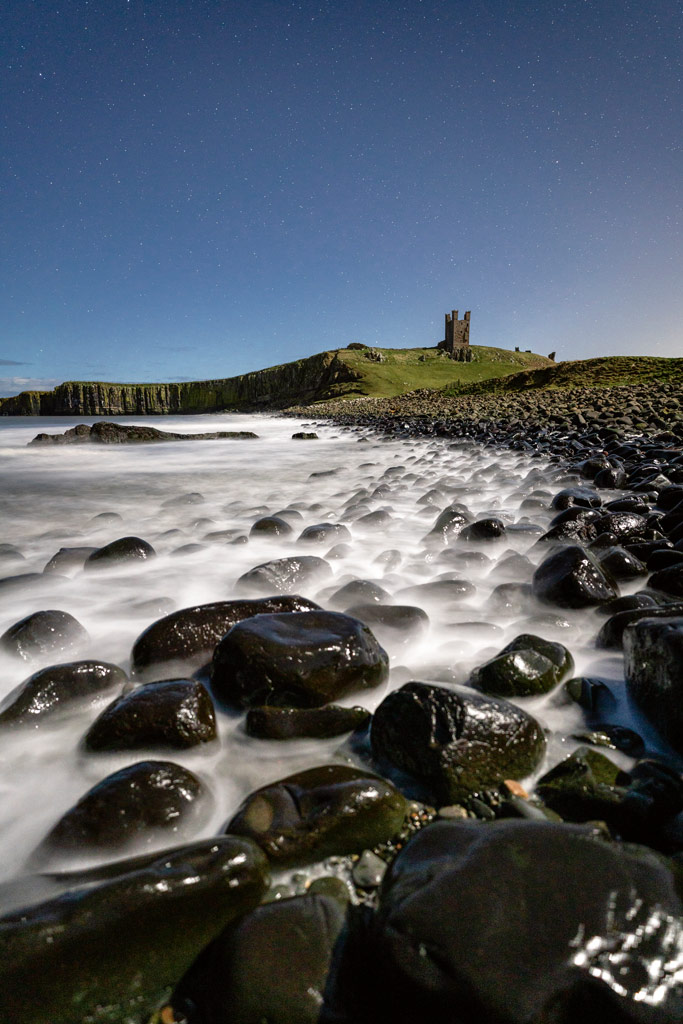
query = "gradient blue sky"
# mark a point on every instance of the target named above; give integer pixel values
(198, 189)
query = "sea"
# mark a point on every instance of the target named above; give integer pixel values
(53, 497)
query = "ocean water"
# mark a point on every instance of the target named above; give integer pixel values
(51, 497)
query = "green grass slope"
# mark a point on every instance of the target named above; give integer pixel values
(407, 369)
(607, 371)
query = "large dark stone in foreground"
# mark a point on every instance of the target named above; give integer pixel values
(111, 954)
(301, 659)
(454, 741)
(44, 634)
(284, 575)
(176, 713)
(653, 656)
(527, 666)
(321, 812)
(147, 795)
(188, 637)
(572, 578)
(526, 923)
(273, 965)
(58, 686)
(120, 552)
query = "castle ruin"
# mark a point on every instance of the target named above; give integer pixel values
(457, 340)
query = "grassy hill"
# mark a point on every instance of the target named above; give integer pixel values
(407, 369)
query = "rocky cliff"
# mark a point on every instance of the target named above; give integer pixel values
(302, 381)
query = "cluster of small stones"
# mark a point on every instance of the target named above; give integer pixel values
(582, 876)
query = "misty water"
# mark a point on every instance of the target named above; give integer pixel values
(51, 497)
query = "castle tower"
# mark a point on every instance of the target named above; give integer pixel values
(457, 339)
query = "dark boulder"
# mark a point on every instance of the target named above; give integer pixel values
(273, 965)
(120, 552)
(285, 575)
(393, 622)
(484, 530)
(526, 923)
(449, 524)
(620, 564)
(270, 526)
(455, 742)
(325, 533)
(173, 713)
(669, 581)
(361, 591)
(653, 655)
(301, 659)
(57, 687)
(321, 812)
(43, 635)
(102, 953)
(149, 795)
(611, 635)
(68, 561)
(571, 577)
(269, 723)
(528, 666)
(584, 497)
(187, 638)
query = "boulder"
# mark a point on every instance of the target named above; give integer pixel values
(173, 713)
(301, 659)
(321, 812)
(571, 577)
(43, 635)
(149, 795)
(187, 638)
(273, 965)
(653, 654)
(120, 552)
(102, 953)
(57, 687)
(285, 575)
(269, 723)
(453, 741)
(523, 922)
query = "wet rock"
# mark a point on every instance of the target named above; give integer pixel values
(68, 561)
(621, 564)
(285, 575)
(270, 526)
(528, 666)
(304, 659)
(175, 713)
(511, 598)
(394, 622)
(627, 603)
(273, 965)
(56, 688)
(62, 960)
(362, 591)
(572, 914)
(653, 654)
(454, 741)
(321, 812)
(593, 695)
(374, 520)
(670, 581)
(325, 533)
(611, 635)
(586, 786)
(149, 795)
(269, 723)
(187, 638)
(120, 552)
(44, 634)
(449, 524)
(584, 497)
(483, 530)
(301, 435)
(571, 577)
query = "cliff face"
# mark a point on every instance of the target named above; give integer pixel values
(303, 381)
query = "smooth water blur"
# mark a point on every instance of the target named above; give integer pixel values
(50, 498)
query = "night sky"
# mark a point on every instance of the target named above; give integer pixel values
(198, 189)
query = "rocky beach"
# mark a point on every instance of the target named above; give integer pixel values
(373, 717)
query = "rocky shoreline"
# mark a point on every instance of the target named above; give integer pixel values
(473, 896)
